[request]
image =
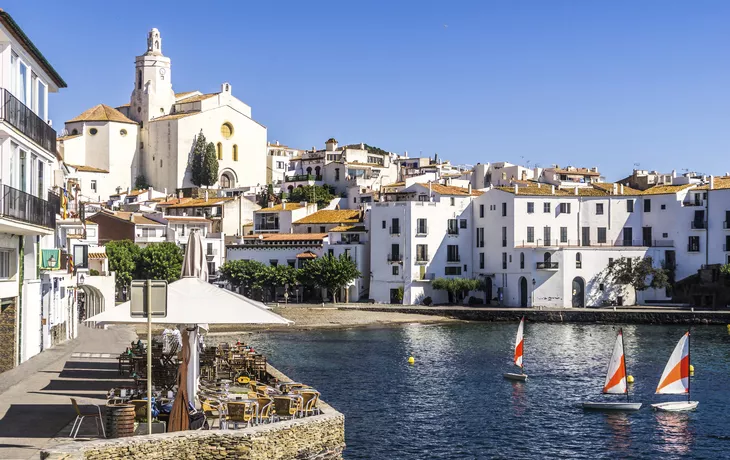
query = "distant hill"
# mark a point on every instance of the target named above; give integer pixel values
(369, 148)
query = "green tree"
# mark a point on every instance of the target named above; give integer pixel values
(320, 194)
(280, 276)
(247, 274)
(209, 174)
(140, 182)
(638, 272)
(161, 261)
(123, 259)
(457, 288)
(196, 162)
(330, 273)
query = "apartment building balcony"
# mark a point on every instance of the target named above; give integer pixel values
(395, 231)
(698, 224)
(426, 277)
(213, 253)
(453, 260)
(546, 265)
(693, 203)
(395, 258)
(303, 178)
(20, 211)
(22, 118)
(557, 244)
(264, 228)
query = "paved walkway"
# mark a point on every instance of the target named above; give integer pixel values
(34, 397)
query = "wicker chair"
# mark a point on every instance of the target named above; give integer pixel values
(240, 412)
(310, 398)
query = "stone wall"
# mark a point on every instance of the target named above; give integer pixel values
(7, 336)
(320, 437)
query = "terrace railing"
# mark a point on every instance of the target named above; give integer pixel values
(22, 118)
(303, 177)
(593, 244)
(28, 208)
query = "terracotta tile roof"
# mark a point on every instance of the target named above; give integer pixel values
(171, 201)
(196, 98)
(83, 168)
(608, 187)
(97, 255)
(136, 218)
(184, 94)
(280, 207)
(666, 189)
(531, 190)
(306, 255)
(575, 171)
(349, 228)
(719, 183)
(396, 184)
(197, 202)
(287, 237)
(372, 165)
(188, 218)
(332, 216)
(123, 105)
(67, 136)
(102, 112)
(451, 190)
(136, 192)
(176, 116)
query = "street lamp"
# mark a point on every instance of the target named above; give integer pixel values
(533, 293)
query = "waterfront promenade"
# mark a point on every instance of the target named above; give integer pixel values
(35, 396)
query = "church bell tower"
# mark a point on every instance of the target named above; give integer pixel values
(152, 96)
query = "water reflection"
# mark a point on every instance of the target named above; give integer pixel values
(519, 399)
(620, 426)
(673, 429)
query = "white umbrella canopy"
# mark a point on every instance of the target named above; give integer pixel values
(193, 301)
(195, 262)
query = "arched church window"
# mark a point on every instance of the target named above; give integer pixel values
(123, 132)
(219, 149)
(139, 79)
(75, 132)
(93, 131)
(227, 130)
(157, 44)
(225, 181)
(235, 152)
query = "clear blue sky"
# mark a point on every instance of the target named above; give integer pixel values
(588, 83)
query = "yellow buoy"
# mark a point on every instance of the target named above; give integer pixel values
(630, 379)
(691, 369)
(411, 360)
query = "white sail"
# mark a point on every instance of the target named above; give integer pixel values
(616, 375)
(519, 343)
(675, 378)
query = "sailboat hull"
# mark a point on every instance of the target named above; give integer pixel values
(618, 406)
(517, 377)
(676, 406)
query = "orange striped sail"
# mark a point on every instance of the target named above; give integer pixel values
(616, 375)
(519, 343)
(675, 379)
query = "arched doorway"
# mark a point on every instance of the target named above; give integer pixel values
(578, 292)
(290, 188)
(317, 170)
(488, 290)
(309, 170)
(523, 292)
(225, 181)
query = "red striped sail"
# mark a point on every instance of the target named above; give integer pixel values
(675, 378)
(616, 375)
(519, 343)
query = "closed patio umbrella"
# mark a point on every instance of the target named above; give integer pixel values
(179, 418)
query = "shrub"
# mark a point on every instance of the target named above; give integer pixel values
(475, 300)
(93, 272)
(427, 301)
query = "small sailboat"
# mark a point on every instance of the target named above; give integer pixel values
(675, 379)
(519, 352)
(615, 381)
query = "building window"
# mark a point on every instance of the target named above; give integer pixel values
(322, 229)
(384, 225)
(225, 181)
(546, 236)
(273, 262)
(122, 132)
(601, 286)
(235, 152)
(629, 205)
(452, 227)
(395, 270)
(530, 234)
(481, 210)
(601, 234)
(694, 244)
(504, 209)
(452, 271)
(546, 207)
(139, 79)
(563, 234)
(647, 205)
(564, 208)
(219, 150)
(480, 237)
(227, 130)
(610, 261)
(331, 252)
(481, 261)
(421, 253)
(664, 206)
(93, 186)
(160, 163)
(452, 253)
(291, 262)
(530, 207)
(6, 263)
(504, 261)
(452, 201)
(337, 174)
(93, 131)
(578, 260)
(462, 223)
(421, 227)
(395, 226)
(599, 209)
(141, 145)
(522, 261)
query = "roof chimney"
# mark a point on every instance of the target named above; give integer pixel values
(303, 204)
(622, 189)
(468, 188)
(283, 205)
(517, 189)
(270, 204)
(575, 191)
(430, 191)
(539, 185)
(277, 143)
(180, 193)
(615, 188)
(206, 195)
(552, 190)
(712, 182)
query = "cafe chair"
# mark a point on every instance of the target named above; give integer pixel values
(81, 415)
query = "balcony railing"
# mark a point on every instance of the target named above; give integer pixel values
(427, 277)
(452, 231)
(546, 265)
(22, 118)
(692, 248)
(265, 226)
(395, 257)
(28, 208)
(421, 231)
(395, 230)
(452, 259)
(303, 177)
(693, 203)
(699, 224)
(593, 244)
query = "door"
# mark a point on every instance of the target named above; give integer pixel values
(578, 292)
(646, 236)
(628, 236)
(523, 292)
(586, 236)
(488, 290)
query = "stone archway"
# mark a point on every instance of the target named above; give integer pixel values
(93, 302)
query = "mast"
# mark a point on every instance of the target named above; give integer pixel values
(523, 344)
(689, 363)
(623, 358)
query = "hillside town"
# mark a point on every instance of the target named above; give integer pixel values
(529, 236)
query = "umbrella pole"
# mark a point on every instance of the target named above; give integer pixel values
(149, 359)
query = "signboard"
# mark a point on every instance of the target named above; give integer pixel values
(50, 259)
(153, 299)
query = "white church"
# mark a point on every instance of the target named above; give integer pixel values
(107, 148)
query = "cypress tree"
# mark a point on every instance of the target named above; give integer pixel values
(209, 175)
(196, 165)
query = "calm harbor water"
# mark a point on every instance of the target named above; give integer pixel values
(454, 403)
